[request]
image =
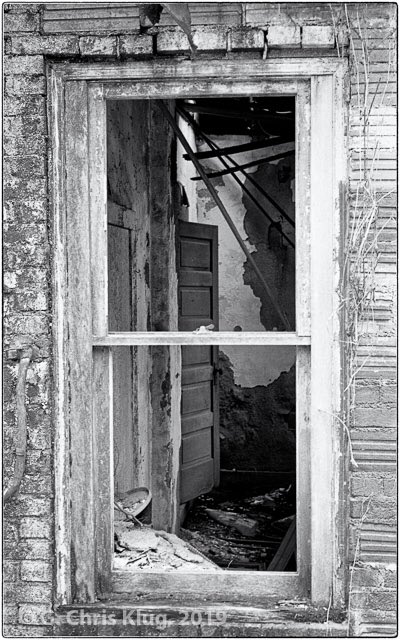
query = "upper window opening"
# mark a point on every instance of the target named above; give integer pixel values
(162, 276)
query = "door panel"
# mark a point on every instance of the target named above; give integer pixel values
(198, 305)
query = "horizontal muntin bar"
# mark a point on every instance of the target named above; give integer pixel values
(151, 338)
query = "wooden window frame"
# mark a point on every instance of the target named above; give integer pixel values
(83, 469)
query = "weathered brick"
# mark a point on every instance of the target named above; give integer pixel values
(23, 22)
(31, 549)
(26, 126)
(21, 7)
(34, 528)
(390, 578)
(30, 324)
(29, 505)
(41, 485)
(364, 484)
(318, 36)
(98, 45)
(38, 462)
(283, 36)
(210, 39)
(382, 600)
(11, 570)
(36, 592)
(19, 257)
(135, 45)
(28, 166)
(26, 250)
(246, 39)
(10, 534)
(26, 183)
(380, 509)
(375, 417)
(9, 613)
(31, 65)
(24, 105)
(388, 393)
(39, 427)
(366, 577)
(36, 571)
(34, 614)
(34, 302)
(172, 41)
(25, 210)
(21, 85)
(47, 45)
(26, 631)
(367, 394)
(390, 485)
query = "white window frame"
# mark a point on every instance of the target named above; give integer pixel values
(83, 505)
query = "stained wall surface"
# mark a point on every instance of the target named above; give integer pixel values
(366, 33)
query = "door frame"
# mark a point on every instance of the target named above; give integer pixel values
(83, 190)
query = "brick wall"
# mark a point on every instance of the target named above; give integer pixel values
(372, 195)
(33, 33)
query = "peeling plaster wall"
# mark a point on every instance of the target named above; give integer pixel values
(241, 299)
(128, 288)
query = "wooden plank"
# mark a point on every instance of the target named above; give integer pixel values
(285, 551)
(188, 323)
(325, 352)
(90, 26)
(196, 355)
(195, 299)
(302, 199)
(79, 344)
(73, 6)
(303, 477)
(166, 437)
(98, 209)
(85, 17)
(195, 253)
(242, 71)
(62, 488)
(119, 279)
(196, 397)
(191, 278)
(103, 472)
(224, 586)
(196, 446)
(191, 375)
(194, 421)
(267, 338)
(196, 479)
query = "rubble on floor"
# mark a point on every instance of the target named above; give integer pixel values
(148, 549)
(213, 526)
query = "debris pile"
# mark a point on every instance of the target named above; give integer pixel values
(148, 549)
(241, 532)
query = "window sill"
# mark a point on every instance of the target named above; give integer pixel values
(166, 617)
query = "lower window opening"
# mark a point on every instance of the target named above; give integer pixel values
(234, 482)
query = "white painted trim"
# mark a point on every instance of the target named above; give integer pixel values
(278, 338)
(198, 69)
(62, 530)
(325, 351)
(189, 77)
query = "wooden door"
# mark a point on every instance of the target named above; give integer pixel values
(197, 256)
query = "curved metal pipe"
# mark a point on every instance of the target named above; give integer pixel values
(20, 442)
